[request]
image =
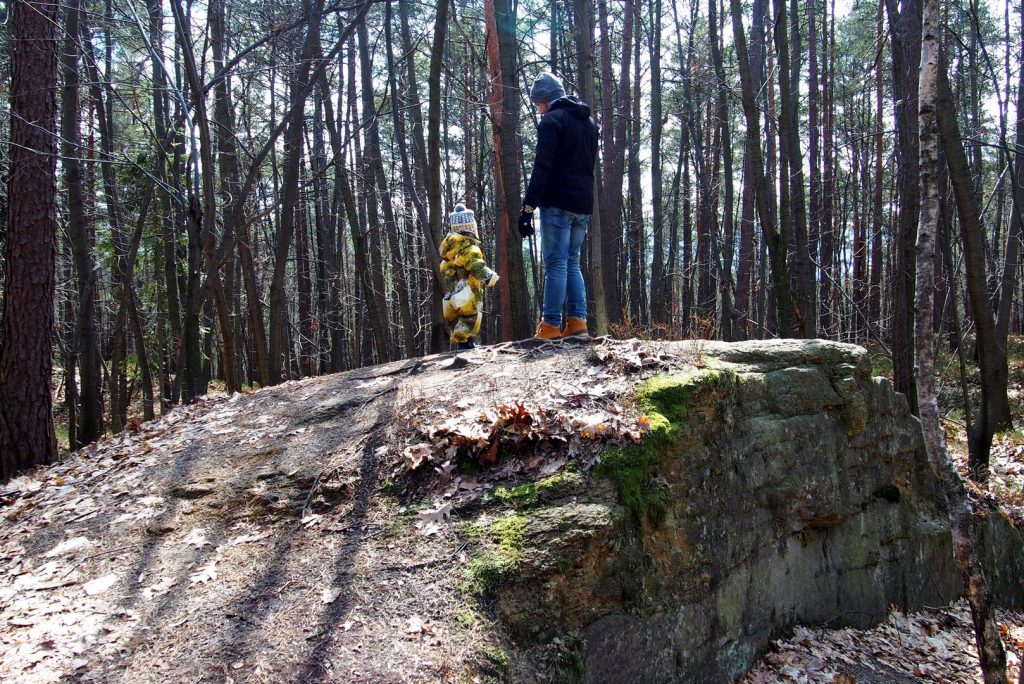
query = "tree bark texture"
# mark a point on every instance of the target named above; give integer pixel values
(293, 144)
(659, 285)
(803, 273)
(27, 436)
(612, 166)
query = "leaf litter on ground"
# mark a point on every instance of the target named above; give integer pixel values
(932, 645)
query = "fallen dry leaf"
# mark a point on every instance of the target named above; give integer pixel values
(206, 573)
(99, 585)
(197, 538)
(69, 546)
(416, 455)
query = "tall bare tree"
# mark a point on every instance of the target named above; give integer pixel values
(27, 436)
(775, 240)
(83, 238)
(961, 515)
(504, 108)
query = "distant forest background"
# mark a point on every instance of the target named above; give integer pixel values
(249, 192)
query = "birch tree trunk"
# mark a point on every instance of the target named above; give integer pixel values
(961, 515)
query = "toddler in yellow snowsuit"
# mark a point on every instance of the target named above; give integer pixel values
(465, 274)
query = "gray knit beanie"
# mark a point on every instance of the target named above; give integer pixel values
(547, 88)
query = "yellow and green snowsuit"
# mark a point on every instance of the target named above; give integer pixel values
(465, 274)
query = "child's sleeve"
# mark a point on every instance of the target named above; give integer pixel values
(477, 268)
(445, 246)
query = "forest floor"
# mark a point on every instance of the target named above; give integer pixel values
(280, 535)
(270, 537)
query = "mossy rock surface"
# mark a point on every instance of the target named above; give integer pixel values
(666, 401)
(780, 484)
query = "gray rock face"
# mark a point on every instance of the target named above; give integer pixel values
(794, 490)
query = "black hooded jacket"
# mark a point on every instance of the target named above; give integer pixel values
(563, 171)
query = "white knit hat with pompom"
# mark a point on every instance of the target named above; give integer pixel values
(463, 220)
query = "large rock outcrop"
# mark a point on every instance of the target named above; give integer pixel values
(781, 484)
(283, 537)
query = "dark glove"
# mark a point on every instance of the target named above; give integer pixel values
(526, 224)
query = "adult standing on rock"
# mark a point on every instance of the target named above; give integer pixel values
(562, 188)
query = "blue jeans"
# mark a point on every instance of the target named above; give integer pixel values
(561, 237)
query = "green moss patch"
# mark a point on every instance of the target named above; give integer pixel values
(486, 571)
(531, 493)
(664, 399)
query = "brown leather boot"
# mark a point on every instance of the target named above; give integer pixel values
(546, 331)
(575, 327)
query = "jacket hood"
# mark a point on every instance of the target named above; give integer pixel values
(578, 108)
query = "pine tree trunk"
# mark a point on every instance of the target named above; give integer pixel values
(745, 268)
(584, 10)
(504, 107)
(814, 159)
(82, 236)
(411, 184)
(378, 182)
(431, 157)
(659, 289)
(293, 144)
(730, 318)
(27, 437)
(636, 217)
(125, 251)
(227, 160)
(1008, 281)
(827, 229)
(789, 134)
(165, 214)
(875, 291)
(304, 289)
(611, 148)
(776, 244)
(905, 33)
(995, 406)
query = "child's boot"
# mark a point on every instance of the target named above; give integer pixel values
(546, 331)
(575, 327)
